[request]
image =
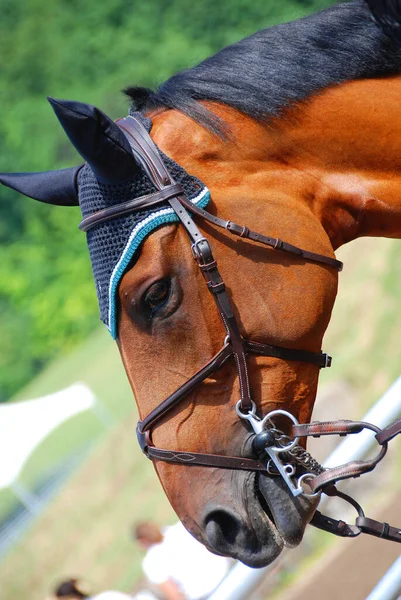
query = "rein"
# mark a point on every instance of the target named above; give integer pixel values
(285, 457)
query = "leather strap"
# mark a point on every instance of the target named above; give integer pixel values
(148, 155)
(351, 469)
(334, 526)
(196, 458)
(387, 434)
(145, 151)
(378, 529)
(215, 363)
(320, 359)
(340, 427)
(164, 407)
(125, 208)
(275, 243)
(206, 460)
(354, 468)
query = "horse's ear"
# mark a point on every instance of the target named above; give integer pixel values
(387, 13)
(52, 187)
(98, 140)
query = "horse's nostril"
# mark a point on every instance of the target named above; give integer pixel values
(222, 529)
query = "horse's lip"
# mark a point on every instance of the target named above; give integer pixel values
(284, 513)
(290, 515)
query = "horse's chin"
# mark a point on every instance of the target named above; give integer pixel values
(288, 515)
(273, 520)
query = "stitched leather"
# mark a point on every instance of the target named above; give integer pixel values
(354, 468)
(341, 427)
(206, 460)
(389, 432)
(125, 208)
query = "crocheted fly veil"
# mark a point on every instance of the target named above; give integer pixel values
(113, 244)
(110, 177)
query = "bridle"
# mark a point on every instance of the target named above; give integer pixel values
(281, 450)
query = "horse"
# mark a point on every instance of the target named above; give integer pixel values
(293, 133)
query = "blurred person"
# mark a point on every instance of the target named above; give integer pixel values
(74, 589)
(177, 564)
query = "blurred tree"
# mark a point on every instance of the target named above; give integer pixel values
(87, 50)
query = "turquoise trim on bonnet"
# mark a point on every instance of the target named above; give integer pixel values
(138, 234)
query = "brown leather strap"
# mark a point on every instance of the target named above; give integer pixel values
(160, 411)
(275, 243)
(379, 529)
(125, 208)
(340, 427)
(318, 358)
(203, 255)
(351, 469)
(145, 151)
(206, 460)
(388, 433)
(148, 154)
(334, 526)
(216, 362)
(354, 468)
(196, 458)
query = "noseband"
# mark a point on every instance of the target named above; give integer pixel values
(269, 442)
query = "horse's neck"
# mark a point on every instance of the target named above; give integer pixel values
(348, 141)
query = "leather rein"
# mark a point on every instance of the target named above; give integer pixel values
(269, 443)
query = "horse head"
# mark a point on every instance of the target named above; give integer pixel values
(270, 304)
(170, 327)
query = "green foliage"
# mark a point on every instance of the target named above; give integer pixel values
(84, 50)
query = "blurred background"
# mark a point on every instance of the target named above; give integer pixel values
(84, 486)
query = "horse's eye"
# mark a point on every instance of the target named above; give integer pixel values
(157, 294)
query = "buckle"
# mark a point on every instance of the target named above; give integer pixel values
(240, 230)
(199, 253)
(327, 360)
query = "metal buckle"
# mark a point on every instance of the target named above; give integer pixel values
(196, 252)
(327, 360)
(286, 470)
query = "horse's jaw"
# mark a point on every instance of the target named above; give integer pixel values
(270, 519)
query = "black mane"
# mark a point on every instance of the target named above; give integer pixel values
(274, 68)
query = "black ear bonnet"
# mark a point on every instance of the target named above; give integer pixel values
(112, 244)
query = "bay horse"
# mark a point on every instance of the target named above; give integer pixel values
(294, 131)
